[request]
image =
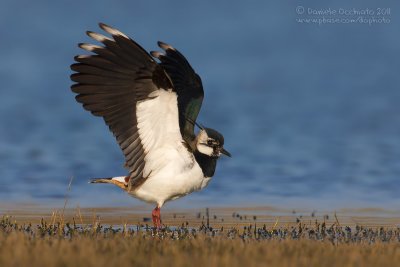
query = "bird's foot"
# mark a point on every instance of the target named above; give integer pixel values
(156, 214)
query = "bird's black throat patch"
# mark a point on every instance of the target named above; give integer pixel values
(207, 164)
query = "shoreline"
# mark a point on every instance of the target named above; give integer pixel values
(217, 216)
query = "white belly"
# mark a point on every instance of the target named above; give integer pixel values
(171, 170)
(167, 185)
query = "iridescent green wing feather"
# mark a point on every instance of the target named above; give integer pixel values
(187, 85)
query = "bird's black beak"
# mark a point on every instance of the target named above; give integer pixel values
(226, 153)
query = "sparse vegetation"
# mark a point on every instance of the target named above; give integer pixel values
(62, 242)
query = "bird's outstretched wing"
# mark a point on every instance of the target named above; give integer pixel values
(187, 84)
(110, 82)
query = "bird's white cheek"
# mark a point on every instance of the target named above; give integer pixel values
(205, 150)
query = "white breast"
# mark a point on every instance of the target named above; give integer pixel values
(171, 170)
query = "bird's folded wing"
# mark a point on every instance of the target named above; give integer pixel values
(110, 82)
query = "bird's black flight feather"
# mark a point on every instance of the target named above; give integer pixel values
(119, 73)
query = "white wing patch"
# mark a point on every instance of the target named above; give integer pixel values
(158, 124)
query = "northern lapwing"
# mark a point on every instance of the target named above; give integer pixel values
(150, 102)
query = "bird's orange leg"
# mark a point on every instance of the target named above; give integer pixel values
(156, 214)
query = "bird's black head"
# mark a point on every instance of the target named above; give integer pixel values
(211, 143)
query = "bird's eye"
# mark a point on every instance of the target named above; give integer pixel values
(209, 142)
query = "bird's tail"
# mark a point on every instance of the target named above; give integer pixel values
(118, 181)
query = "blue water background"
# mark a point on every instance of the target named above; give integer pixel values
(311, 113)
